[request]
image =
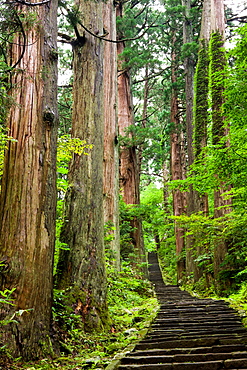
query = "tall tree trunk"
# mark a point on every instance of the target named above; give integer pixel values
(111, 149)
(83, 271)
(28, 196)
(177, 172)
(129, 166)
(201, 119)
(189, 64)
(189, 95)
(218, 65)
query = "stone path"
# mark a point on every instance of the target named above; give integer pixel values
(189, 333)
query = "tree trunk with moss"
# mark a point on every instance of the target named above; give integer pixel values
(81, 270)
(28, 191)
(221, 206)
(201, 120)
(111, 147)
(189, 94)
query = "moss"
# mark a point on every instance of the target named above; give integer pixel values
(217, 79)
(85, 309)
(201, 99)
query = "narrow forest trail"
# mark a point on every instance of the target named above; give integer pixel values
(189, 333)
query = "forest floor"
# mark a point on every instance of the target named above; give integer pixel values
(133, 307)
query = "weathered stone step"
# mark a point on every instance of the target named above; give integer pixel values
(198, 311)
(209, 365)
(202, 319)
(196, 357)
(195, 331)
(191, 325)
(198, 342)
(189, 336)
(198, 318)
(213, 365)
(173, 351)
(195, 303)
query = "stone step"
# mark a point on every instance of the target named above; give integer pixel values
(198, 319)
(197, 342)
(195, 331)
(195, 357)
(226, 336)
(197, 311)
(194, 325)
(212, 365)
(189, 333)
(209, 365)
(173, 351)
(183, 304)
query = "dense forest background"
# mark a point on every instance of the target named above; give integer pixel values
(122, 131)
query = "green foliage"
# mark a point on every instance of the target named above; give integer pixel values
(4, 139)
(158, 229)
(188, 49)
(125, 217)
(207, 234)
(238, 301)
(5, 296)
(67, 147)
(152, 205)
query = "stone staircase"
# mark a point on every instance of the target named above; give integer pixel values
(189, 333)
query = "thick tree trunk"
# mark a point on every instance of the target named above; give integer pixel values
(178, 200)
(28, 196)
(201, 120)
(177, 174)
(189, 68)
(189, 96)
(221, 206)
(111, 149)
(129, 176)
(83, 271)
(218, 16)
(129, 160)
(129, 166)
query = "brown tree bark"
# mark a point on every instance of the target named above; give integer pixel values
(218, 65)
(111, 147)
(129, 160)
(177, 173)
(28, 196)
(189, 68)
(200, 202)
(82, 269)
(189, 96)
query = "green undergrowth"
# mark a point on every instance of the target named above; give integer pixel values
(238, 301)
(132, 307)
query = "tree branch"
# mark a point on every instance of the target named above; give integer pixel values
(24, 45)
(242, 19)
(152, 76)
(23, 2)
(102, 37)
(115, 41)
